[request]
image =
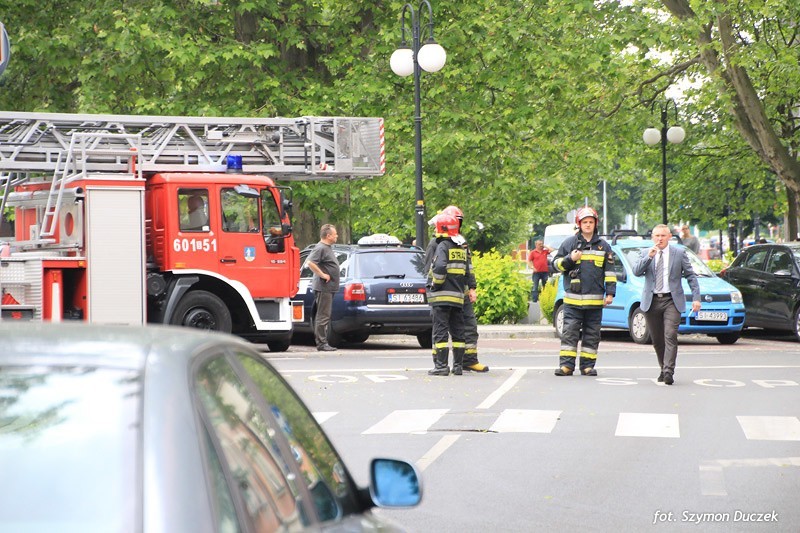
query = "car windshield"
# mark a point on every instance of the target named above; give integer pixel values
(65, 448)
(401, 264)
(700, 268)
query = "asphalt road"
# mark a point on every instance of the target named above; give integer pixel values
(519, 449)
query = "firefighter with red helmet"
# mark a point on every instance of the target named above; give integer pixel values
(446, 294)
(470, 321)
(587, 266)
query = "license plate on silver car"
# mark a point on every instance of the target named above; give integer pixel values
(712, 316)
(406, 298)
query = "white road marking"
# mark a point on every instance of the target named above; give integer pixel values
(324, 416)
(712, 473)
(712, 479)
(647, 425)
(407, 421)
(525, 421)
(438, 449)
(604, 370)
(770, 427)
(504, 388)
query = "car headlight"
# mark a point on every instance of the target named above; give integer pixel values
(736, 297)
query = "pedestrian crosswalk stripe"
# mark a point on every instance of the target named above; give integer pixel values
(647, 425)
(525, 421)
(770, 427)
(323, 416)
(664, 425)
(407, 421)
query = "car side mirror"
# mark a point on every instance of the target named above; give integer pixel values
(394, 483)
(783, 274)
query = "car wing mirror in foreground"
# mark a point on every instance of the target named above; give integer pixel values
(394, 483)
(783, 274)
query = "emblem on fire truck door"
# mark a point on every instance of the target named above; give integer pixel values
(249, 253)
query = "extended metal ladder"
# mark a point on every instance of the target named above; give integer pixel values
(69, 146)
(305, 148)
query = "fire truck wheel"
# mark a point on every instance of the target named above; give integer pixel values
(202, 310)
(278, 346)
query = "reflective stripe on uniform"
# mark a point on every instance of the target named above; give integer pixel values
(583, 300)
(442, 298)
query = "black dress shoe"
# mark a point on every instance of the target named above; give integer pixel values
(661, 378)
(668, 379)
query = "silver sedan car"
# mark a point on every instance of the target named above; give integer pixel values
(170, 430)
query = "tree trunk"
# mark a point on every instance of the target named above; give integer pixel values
(790, 231)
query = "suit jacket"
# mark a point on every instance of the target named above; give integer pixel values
(679, 267)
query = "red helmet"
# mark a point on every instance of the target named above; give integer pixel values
(446, 225)
(453, 211)
(584, 212)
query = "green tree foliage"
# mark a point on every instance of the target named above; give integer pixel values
(502, 290)
(539, 101)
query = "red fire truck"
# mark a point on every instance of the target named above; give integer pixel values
(173, 220)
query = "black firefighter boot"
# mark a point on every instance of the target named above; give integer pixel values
(458, 359)
(440, 367)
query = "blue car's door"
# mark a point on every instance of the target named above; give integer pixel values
(616, 314)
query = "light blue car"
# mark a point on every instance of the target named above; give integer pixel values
(721, 316)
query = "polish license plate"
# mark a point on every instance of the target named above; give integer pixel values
(406, 298)
(712, 316)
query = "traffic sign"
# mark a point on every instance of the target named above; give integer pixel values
(5, 48)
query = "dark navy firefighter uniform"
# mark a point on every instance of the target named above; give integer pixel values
(586, 283)
(448, 280)
(470, 321)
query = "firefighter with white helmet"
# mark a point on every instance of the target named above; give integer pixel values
(590, 283)
(447, 283)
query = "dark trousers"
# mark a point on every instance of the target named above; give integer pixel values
(580, 324)
(537, 278)
(470, 333)
(663, 320)
(448, 321)
(322, 302)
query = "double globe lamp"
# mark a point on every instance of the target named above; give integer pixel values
(653, 136)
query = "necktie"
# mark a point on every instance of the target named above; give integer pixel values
(660, 272)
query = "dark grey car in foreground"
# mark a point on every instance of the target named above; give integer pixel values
(169, 430)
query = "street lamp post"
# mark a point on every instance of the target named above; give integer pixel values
(675, 135)
(405, 61)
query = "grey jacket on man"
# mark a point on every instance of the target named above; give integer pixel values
(679, 267)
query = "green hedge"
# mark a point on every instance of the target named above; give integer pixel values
(547, 297)
(502, 290)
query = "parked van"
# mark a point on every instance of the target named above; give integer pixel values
(555, 234)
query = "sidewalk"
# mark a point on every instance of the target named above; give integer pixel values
(516, 331)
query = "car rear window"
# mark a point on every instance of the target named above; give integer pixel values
(68, 437)
(371, 265)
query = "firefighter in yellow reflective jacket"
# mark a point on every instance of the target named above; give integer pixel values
(446, 286)
(587, 265)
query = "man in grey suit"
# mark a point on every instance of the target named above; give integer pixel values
(663, 299)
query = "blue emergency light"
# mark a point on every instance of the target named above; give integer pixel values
(234, 164)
